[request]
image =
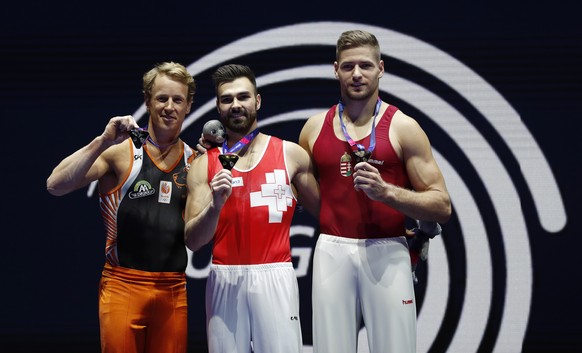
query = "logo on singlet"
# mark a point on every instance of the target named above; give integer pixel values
(165, 192)
(346, 165)
(275, 193)
(141, 189)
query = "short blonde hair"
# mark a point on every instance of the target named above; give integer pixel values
(171, 69)
(355, 39)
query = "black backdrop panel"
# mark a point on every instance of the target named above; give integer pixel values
(496, 87)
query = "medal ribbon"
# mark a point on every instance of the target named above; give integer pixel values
(241, 143)
(149, 139)
(358, 146)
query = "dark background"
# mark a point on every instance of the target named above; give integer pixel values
(68, 68)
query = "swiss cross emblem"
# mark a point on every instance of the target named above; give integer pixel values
(275, 193)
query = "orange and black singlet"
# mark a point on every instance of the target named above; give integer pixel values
(144, 217)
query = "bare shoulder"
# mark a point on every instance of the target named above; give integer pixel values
(405, 128)
(315, 122)
(296, 156)
(117, 157)
(408, 137)
(113, 165)
(294, 150)
(198, 167)
(401, 120)
(311, 130)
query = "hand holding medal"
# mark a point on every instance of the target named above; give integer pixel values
(138, 136)
(360, 153)
(228, 160)
(213, 132)
(228, 157)
(367, 178)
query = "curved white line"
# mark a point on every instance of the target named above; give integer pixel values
(505, 200)
(496, 179)
(195, 115)
(314, 71)
(479, 277)
(501, 115)
(495, 109)
(290, 116)
(475, 311)
(497, 182)
(487, 165)
(477, 92)
(474, 316)
(431, 316)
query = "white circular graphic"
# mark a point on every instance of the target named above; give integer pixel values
(479, 282)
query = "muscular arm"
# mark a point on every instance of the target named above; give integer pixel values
(92, 161)
(309, 134)
(303, 178)
(310, 131)
(429, 200)
(204, 202)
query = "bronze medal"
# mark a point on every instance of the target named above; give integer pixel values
(138, 136)
(362, 156)
(228, 160)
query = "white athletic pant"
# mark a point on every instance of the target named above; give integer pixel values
(253, 303)
(363, 278)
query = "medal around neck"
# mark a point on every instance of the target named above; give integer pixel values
(138, 136)
(362, 156)
(228, 160)
(358, 150)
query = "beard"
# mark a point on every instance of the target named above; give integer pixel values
(240, 124)
(360, 95)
